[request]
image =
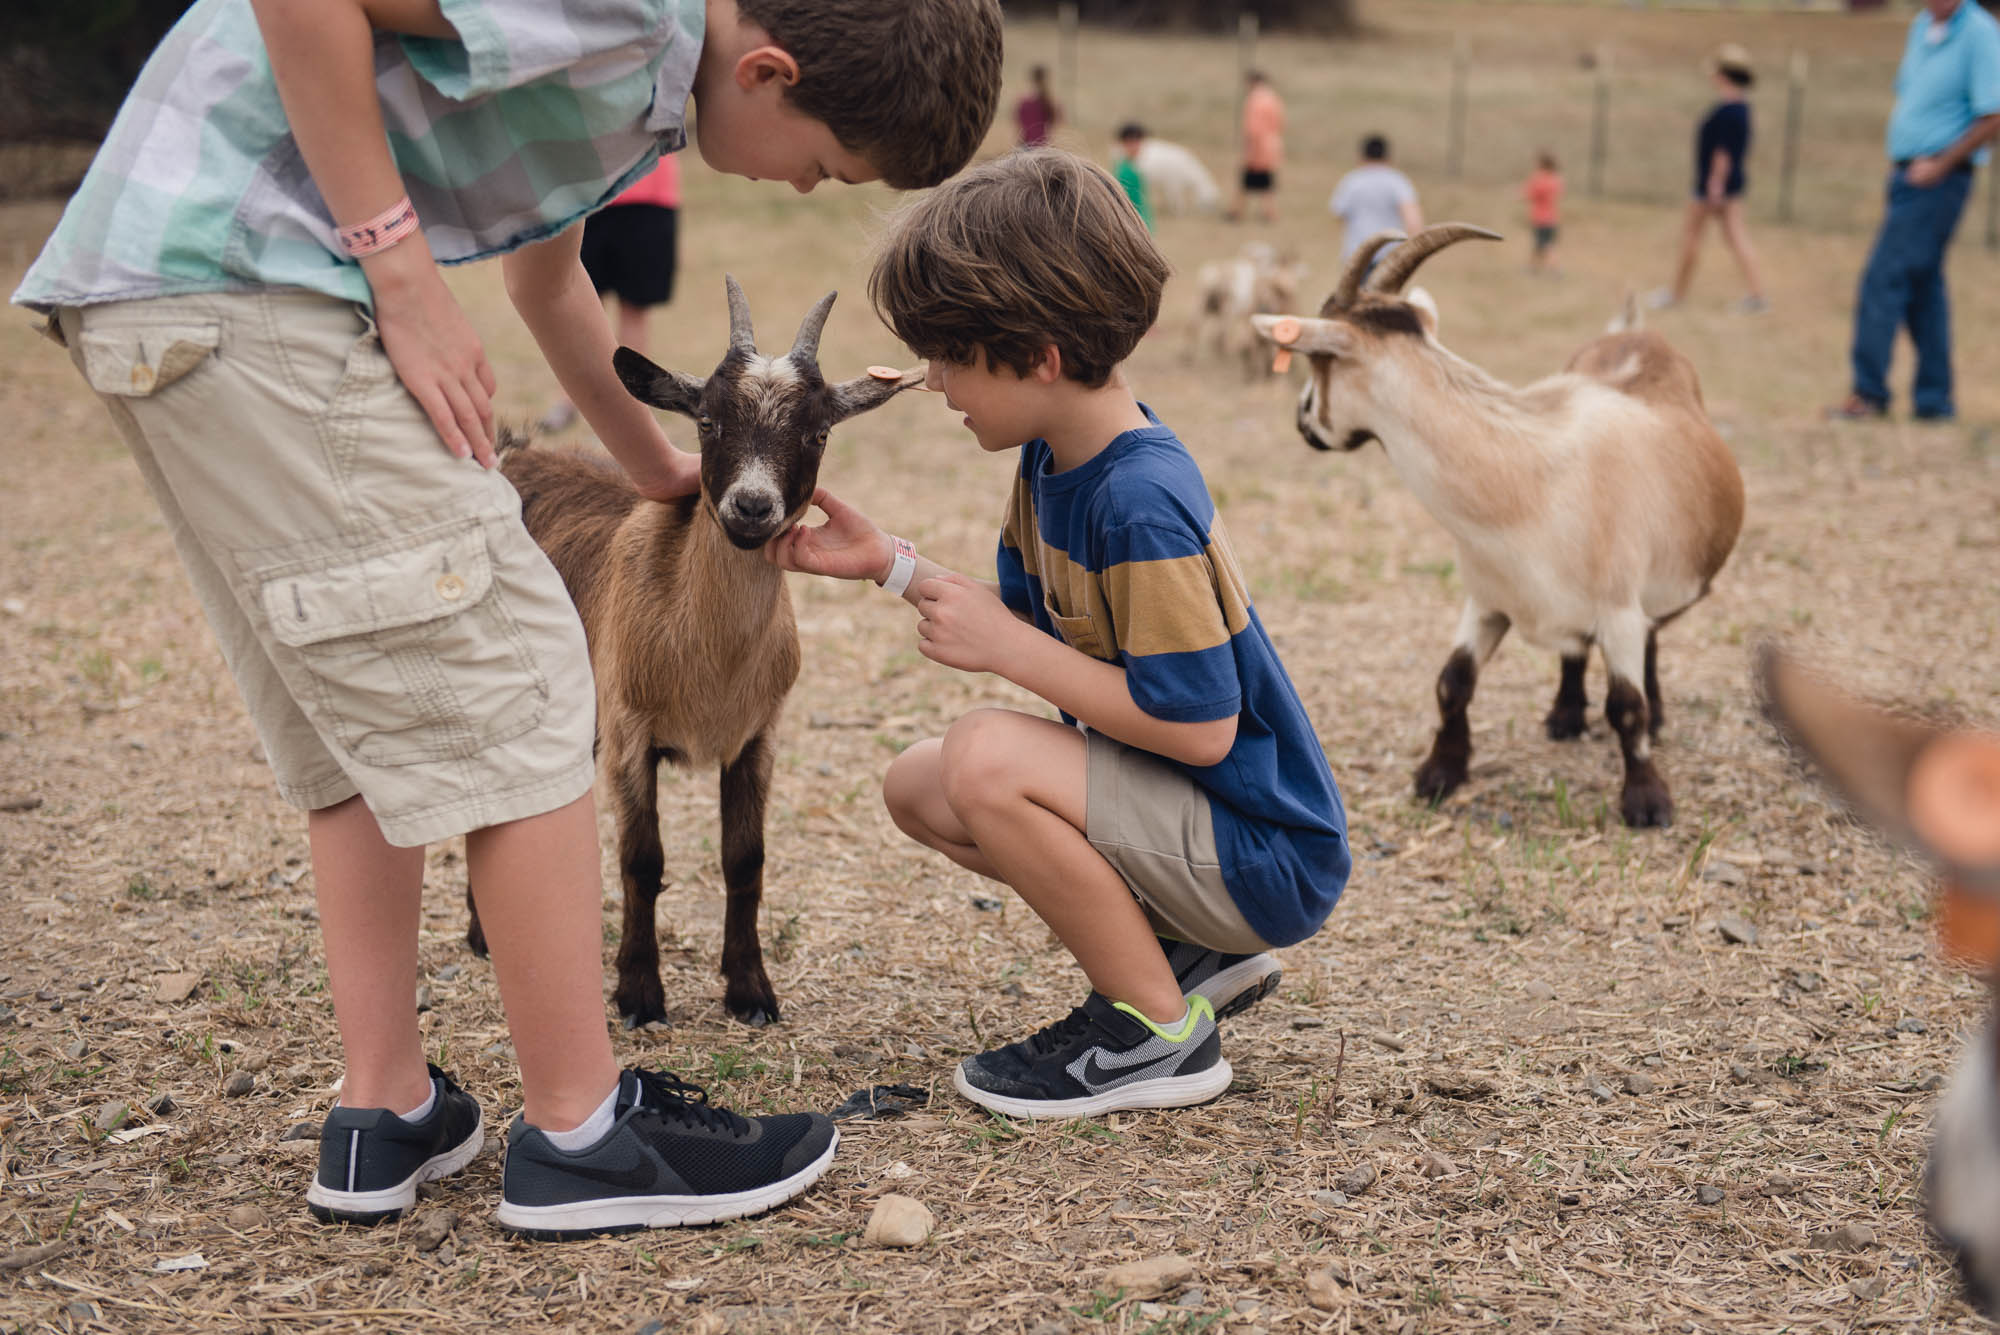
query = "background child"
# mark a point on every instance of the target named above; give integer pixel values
(1263, 148)
(1037, 114)
(1374, 197)
(1544, 191)
(631, 250)
(1721, 146)
(249, 278)
(1189, 822)
(1132, 138)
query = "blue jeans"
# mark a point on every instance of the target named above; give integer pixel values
(1904, 284)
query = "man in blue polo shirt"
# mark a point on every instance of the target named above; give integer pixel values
(1947, 108)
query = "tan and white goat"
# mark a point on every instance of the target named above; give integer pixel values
(1589, 508)
(691, 635)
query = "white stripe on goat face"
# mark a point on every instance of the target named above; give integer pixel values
(772, 386)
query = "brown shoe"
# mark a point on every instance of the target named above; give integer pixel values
(1854, 408)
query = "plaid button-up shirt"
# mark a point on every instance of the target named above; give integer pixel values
(538, 114)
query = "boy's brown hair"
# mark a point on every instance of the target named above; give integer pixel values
(1039, 247)
(909, 85)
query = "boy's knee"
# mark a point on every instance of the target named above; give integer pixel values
(977, 759)
(910, 777)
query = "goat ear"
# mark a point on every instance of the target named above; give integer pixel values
(1330, 338)
(865, 392)
(657, 385)
(1426, 307)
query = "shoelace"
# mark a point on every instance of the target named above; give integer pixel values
(665, 1093)
(1063, 1031)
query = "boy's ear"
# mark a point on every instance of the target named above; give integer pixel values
(1049, 369)
(765, 64)
(657, 385)
(864, 392)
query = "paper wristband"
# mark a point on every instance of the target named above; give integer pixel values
(902, 568)
(380, 232)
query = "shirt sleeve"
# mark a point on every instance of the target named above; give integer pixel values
(1175, 601)
(1013, 571)
(1984, 74)
(503, 44)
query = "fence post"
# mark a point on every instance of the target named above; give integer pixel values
(1992, 205)
(1454, 146)
(1600, 119)
(1795, 106)
(1246, 46)
(1066, 28)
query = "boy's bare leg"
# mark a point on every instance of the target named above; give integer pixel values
(632, 327)
(369, 894)
(1737, 234)
(1697, 217)
(1014, 789)
(537, 883)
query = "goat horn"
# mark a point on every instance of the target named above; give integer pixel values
(1349, 286)
(805, 348)
(741, 335)
(1393, 272)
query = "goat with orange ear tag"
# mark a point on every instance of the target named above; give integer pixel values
(1936, 790)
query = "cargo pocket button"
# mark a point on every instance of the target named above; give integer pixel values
(451, 588)
(142, 378)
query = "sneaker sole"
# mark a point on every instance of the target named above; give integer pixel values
(629, 1214)
(1177, 1091)
(1242, 985)
(379, 1207)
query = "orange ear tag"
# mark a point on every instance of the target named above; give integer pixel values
(1968, 928)
(885, 373)
(1284, 333)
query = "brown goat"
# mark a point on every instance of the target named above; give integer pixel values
(691, 635)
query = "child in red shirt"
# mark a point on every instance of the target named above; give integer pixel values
(1544, 191)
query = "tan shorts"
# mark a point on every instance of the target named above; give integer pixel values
(1153, 823)
(393, 628)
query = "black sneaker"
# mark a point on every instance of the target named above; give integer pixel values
(1105, 1056)
(370, 1160)
(669, 1158)
(1232, 983)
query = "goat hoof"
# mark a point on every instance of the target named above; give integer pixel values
(1437, 781)
(1565, 724)
(1647, 806)
(643, 1007)
(756, 1016)
(475, 940)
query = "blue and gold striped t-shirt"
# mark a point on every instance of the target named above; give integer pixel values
(1124, 558)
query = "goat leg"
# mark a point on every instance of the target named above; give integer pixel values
(475, 935)
(746, 782)
(1645, 800)
(641, 865)
(1655, 715)
(1479, 634)
(1565, 720)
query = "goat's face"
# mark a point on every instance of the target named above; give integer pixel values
(1348, 353)
(762, 421)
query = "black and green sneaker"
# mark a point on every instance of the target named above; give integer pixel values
(1105, 1056)
(371, 1161)
(1232, 983)
(670, 1158)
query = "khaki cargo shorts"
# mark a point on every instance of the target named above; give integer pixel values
(1153, 823)
(393, 628)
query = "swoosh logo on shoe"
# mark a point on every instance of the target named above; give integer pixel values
(1096, 1072)
(634, 1177)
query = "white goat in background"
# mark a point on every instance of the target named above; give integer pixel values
(1591, 507)
(1228, 292)
(1176, 182)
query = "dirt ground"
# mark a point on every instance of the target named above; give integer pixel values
(1587, 1109)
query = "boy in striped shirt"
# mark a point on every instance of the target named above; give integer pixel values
(248, 277)
(1181, 821)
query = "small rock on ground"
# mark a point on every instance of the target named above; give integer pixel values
(1540, 991)
(899, 1221)
(1736, 930)
(1150, 1278)
(432, 1228)
(247, 1218)
(239, 1084)
(111, 1116)
(1638, 1083)
(1357, 1179)
(1708, 1195)
(1846, 1238)
(1434, 1165)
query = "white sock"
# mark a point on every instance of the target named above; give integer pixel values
(422, 1110)
(591, 1130)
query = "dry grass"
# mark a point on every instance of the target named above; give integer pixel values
(1497, 967)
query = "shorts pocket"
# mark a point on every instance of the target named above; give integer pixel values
(137, 360)
(413, 654)
(1079, 633)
